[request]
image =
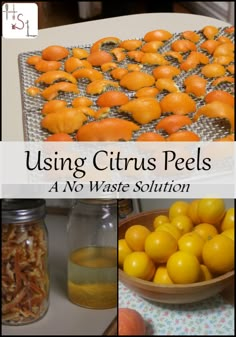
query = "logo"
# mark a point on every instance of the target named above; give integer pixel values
(20, 20)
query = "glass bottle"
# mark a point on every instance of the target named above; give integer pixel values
(92, 253)
(25, 279)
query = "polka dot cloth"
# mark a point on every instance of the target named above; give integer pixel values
(208, 317)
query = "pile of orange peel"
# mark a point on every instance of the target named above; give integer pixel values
(139, 81)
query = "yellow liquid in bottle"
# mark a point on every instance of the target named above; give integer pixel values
(92, 277)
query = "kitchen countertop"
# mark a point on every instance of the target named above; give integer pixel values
(213, 316)
(124, 27)
(63, 317)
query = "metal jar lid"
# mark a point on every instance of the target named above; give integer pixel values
(22, 210)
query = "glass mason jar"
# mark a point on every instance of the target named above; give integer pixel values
(92, 253)
(25, 279)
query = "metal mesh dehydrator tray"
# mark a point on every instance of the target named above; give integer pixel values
(207, 128)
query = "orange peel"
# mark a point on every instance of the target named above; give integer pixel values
(32, 60)
(43, 66)
(230, 69)
(102, 112)
(80, 53)
(99, 57)
(53, 90)
(173, 123)
(165, 71)
(108, 66)
(224, 59)
(51, 76)
(153, 59)
(108, 129)
(85, 110)
(33, 91)
(229, 30)
(223, 79)
(136, 79)
(99, 86)
(195, 85)
(147, 92)
(226, 49)
(178, 102)
(130, 44)
(152, 46)
(210, 32)
(166, 84)
(134, 67)
(157, 35)
(183, 136)
(183, 46)
(67, 120)
(53, 106)
(81, 101)
(73, 63)
(193, 60)
(135, 55)
(143, 109)
(191, 36)
(220, 95)
(150, 137)
(97, 45)
(213, 70)
(174, 55)
(91, 74)
(217, 109)
(112, 98)
(54, 53)
(118, 53)
(210, 45)
(118, 73)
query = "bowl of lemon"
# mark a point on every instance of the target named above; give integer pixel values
(182, 254)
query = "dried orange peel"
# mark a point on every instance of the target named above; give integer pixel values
(91, 74)
(99, 86)
(55, 53)
(147, 92)
(183, 136)
(150, 137)
(80, 53)
(210, 32)
(118, 73)
(153, 59)
(165, 71)
(108, 129)
(135, 55)
(166, 84)
(213, 70)
(173, 123)
(220, 95)
(196, 85)
(157, 35)
(119, 54)
(53, 106)
(152, 46)
(223, 79)
(53, 90)
(136, 80)
(130, 44)
(143, 109)
(66, 120)
(183, 46)
(104, 41)
(33, 91)
(178, 102)
(43, 66)
(99, 57)
(73, 63)
(81, 101)
(112, 98)
(191, 35)
(217, 109)
(32, 60)
(51, 76)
